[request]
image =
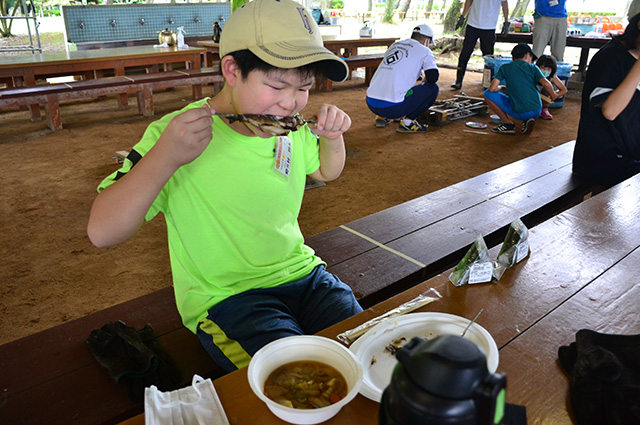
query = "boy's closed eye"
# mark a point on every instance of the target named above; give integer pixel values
(306, 87)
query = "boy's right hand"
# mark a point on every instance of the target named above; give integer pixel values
(187, 136)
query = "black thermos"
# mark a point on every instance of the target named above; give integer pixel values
(442, 381)
(216, 33)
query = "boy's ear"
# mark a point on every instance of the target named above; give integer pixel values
(230, 70)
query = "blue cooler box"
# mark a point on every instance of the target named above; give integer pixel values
(492, 64)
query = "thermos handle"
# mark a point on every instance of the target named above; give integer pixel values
(490, 399)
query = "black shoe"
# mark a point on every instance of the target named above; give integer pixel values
(505, 129)
(382, 122)
(527, 126)
(456, 86)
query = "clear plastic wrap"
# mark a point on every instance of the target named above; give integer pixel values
(475, 267)
(429, 296)
(514, 248)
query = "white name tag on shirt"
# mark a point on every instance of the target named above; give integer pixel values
(282, 162)
(553, 3)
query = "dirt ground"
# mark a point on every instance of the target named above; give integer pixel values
(51, 273)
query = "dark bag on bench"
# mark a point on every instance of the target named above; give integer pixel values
(133, 358)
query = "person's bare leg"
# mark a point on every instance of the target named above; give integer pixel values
(499, 112)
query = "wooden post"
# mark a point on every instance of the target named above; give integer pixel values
(52, 108)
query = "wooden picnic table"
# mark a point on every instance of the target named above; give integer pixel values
(580, 273)
(25, 69)
(584, 43)
(342, 45)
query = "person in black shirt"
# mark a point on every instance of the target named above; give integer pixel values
(607, 149)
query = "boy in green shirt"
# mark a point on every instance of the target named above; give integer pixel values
(231, 193)
(523, 99)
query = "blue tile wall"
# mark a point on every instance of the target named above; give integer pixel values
(140, 21)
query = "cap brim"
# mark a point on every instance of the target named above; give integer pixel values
(297, 53)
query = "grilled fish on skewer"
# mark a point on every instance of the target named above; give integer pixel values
(271, 124)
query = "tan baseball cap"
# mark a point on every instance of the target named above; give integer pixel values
(282, 33)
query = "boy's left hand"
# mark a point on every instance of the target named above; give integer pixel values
(332, 122)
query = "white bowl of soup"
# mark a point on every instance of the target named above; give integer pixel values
(305, 379)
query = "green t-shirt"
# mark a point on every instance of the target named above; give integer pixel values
(521, 79)
(232, 218)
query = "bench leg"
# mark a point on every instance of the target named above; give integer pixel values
(145, 101)
(323, 83)
(123, 102)
(196, 89)
(52, 108)
(368, 74)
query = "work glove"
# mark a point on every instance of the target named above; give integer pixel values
(505, 28)
(460, 22)
(133, 358)
(604, 376)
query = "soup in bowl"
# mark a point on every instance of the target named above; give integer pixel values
(305, 379)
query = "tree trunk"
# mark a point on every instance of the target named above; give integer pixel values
(404, 7)
(451, 17)
(512, 12)
(388, 11)
(5, 31)
(430, 6)
(520, 9)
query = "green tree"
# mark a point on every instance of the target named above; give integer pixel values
(389, 7)
(403, 6)
(451, 17)
(7, 8)
(520, 8)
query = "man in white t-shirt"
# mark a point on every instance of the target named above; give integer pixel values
(404, 85)
(482, 22)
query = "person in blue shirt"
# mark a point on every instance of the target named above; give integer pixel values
(550, 27)
(519, 97)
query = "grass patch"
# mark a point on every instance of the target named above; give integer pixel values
(50, 42)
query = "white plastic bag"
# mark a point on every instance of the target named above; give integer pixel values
(197, 404)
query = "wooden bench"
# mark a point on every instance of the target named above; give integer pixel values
(52, 377)
(142, 85)
(435, 15)
(370, 62)
(387, 252)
